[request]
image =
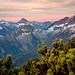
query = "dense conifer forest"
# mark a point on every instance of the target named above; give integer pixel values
(60, 60)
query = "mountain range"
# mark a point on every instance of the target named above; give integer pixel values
(21, 38)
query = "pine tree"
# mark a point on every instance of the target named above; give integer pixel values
(7, 65)
(1, 65)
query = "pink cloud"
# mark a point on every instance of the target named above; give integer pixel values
(37, 18)
(40, 10)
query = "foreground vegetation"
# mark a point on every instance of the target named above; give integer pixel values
(58, 61)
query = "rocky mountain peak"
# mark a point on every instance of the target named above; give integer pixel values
(61, 21)
(23, 20)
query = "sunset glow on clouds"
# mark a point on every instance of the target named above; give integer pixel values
(39, 10)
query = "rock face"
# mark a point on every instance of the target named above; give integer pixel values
(23, 36)
(64, 28)
(18, 37)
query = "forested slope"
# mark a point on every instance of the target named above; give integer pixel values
(60, 60)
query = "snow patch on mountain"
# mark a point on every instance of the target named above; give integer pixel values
(1, 28)
(20, 24)
(23, 34)
(50, 29)
(1, 36)
(72, 28)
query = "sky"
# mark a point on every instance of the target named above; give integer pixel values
(36, 10)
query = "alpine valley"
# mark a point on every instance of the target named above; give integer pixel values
(21, 38)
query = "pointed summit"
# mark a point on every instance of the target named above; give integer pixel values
(23, 20)
(3, 21)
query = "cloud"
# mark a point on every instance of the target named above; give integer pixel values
(56, 3)
(36, 8)
(18, 1)
(22, 0)
(39, 3)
